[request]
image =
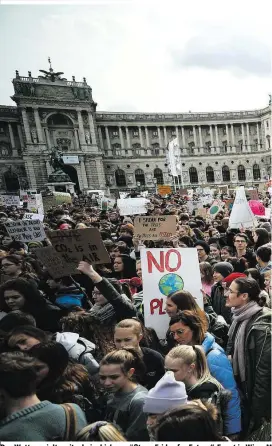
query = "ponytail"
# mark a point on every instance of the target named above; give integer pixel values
(128, 358)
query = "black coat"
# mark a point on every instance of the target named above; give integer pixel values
(218, 302)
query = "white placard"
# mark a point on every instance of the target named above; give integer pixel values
(9, 200)
(132, 206)
(164, 271)
(26, 230)
(70, 159)
(34, 203)
(241, 215)
(29, 216)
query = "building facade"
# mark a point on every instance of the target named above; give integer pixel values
(124, 150)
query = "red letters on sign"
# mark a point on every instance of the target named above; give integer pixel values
(156, 304)
(164, 264)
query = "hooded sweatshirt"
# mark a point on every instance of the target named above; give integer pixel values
(79, 349)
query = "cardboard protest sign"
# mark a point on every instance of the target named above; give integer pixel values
(241, 215)
(155, 227)
(132, 206)
(26, 230)
(79, 244)
(164, 190)
(253, 194)
(201, 212)
(164, 271)
(10, 200)
(30, 216)
(54, 263)
(215, 208)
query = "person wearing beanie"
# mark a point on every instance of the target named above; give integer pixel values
(218, 299)
(203, 251)
(227, 280)
(166, 395)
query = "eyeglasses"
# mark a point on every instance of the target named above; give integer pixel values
(178, 332)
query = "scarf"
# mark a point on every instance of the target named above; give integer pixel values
(105, 314)
(241, 317)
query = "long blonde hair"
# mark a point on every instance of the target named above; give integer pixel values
(100, 431)
(194, 355)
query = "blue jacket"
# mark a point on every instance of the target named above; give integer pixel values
(221, 369)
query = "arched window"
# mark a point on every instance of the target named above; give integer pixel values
(241, 173)
(256, 172)
(140, 177)
(59, 119)
(193, 175)
(158, 175)
(120, 178)
(225, 173)
(210, 174)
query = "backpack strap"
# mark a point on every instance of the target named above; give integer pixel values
(71, 422)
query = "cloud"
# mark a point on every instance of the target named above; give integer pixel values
(218, 50)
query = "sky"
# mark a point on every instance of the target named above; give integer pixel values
(151, 56)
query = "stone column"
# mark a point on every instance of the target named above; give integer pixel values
(177, 134)
(81, 128)
(200, 136)
(183, 137)
(165, 136)
(100, 138)
(31, 173)
(258, 137)
(243, 135)
(194, 133)
(233, 139)
(92, 130)
(141, 137)
(48, 139)
(128, 138)
(216, 136)
(76, 139)
(48, 168)
(160, 138)
(14, 150)
(147, 137)
(121, 138)
(248, 138)
(108, 138)
(38, 125)
(211, 135)
(26, 126)
(83, 173)
(20, 136)
(227, 134)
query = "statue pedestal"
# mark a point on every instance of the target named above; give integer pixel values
(62, 187)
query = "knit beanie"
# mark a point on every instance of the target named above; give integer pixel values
(167, 394)
(228, 279)
(224, 268)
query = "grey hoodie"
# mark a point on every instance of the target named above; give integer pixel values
(79, 349)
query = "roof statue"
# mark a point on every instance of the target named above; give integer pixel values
(50, 74)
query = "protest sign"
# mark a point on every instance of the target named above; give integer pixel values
(241, 215)
(164, 190)
(215, 208)
(30, 216)
(183, 191)
(106, 203)
(9, 200)
(132, 206)
(201, 212)
(35, 203)
(155, 227)
(163, 271)
(79, 244)
(56, 199)
(193, 204)
(26, 230)
(253, 194)
(53, 262)
(123, 195)
(257, 207)
(229, 203)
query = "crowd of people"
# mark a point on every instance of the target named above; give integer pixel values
(78, 362)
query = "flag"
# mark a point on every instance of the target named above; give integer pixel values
(241, 214)
(173, 157)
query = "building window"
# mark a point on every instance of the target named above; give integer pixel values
(225, 173)
(208, 132)
(120, 178)
(241, 173)
(114, 134)
(155, 133)
(2, 130)
(135, 133)
(116, 149)
(173, 133)
(193, 175)
(267, 124)
(256, 172)
(210, 174)
(224, 131)
(158, 175)
(191, 133)
(140, 177)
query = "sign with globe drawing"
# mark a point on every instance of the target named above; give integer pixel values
(164, 271)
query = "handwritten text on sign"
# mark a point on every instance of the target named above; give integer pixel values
(165, 271)
(82, 244)
(26, 230)
(132, 206)
(9, 200)
(155, 227)
(53, 262)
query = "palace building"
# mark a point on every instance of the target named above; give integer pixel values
(123, 151)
